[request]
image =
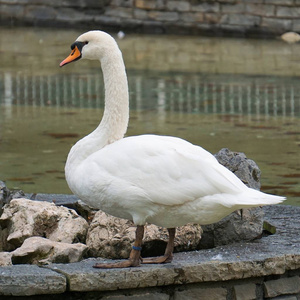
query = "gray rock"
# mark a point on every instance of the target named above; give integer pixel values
(244, 168)
(242, 225)
(6, 195)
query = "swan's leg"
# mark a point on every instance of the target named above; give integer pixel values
(168, 256)
(135, 254)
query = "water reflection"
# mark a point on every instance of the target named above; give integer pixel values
(173, 92)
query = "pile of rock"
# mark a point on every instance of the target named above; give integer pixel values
(39, 232)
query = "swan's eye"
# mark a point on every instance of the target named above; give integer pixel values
(86, 42)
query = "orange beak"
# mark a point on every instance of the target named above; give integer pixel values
(75, 54)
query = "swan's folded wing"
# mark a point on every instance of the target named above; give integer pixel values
(170, 171)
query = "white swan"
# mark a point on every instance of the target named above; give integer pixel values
(149, 178)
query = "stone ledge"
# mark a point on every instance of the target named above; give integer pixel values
(28, 280)
(272, 255)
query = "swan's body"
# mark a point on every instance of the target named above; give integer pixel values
(162, 180)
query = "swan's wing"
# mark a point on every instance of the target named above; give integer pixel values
(167, 170)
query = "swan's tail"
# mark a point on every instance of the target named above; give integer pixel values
(247, 198)
(253, 197)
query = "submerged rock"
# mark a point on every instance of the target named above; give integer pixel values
(290, 37)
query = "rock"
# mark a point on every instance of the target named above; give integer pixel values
(38, 250)
(242, 225)
(6, 195)
(290, 37)
(5, 259)
(24, 218)
(244, 168)
(112, 237)
(3, 238)
(70, 201)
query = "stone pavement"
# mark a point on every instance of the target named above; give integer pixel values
(224, 272)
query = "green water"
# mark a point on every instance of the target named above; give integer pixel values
(195, 88)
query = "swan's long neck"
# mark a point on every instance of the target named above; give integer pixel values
(114, 122)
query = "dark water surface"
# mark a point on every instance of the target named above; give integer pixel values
(234, 93)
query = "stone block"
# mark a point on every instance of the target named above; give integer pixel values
(243, 20)
(40, 12)
(119, 12)
(279, 2)
(286, 11)
(122, 3)
(260, 9)
(206, 7)
(233, 8)
(212, 18)
(140, 14)
(178, 5)
(277, 25)
(76, 3)
(253, 1)
(16, 11)
(245, 291)
(283, 286)
(138, 296)
(286, 298)
(145, 4)
(164, 16)
(73, 3)
(227, 1)
(191, 17)
(201, 294)
(296, 25)
(28, 280)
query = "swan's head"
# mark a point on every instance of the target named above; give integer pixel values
(91, 45)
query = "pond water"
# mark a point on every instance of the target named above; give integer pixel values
(234, 93)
